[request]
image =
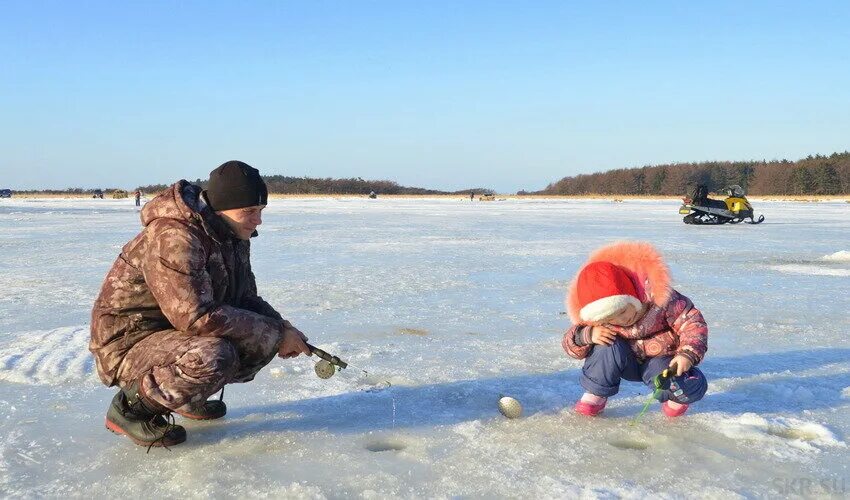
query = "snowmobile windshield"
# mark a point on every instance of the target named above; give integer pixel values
(736, 191)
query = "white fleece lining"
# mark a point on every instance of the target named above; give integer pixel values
(606, 307)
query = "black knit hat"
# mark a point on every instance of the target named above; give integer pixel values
(236, 184)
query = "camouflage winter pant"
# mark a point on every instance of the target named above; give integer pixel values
(177, 370)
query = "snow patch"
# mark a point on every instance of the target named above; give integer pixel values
(833, 264)
(470, 430)
(810, 270)
(298, 490)
(800, 434)
(841, 256)
(47, 356)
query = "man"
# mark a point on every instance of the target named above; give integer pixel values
(178, 315)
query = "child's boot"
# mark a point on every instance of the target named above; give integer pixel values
(590, 404)
(673, 409)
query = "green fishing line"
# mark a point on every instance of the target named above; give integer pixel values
(656, 381)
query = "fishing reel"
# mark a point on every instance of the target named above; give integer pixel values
(328, 364)
(662, 380)
(665, 381)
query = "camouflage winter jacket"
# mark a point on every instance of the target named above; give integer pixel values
(185, 271)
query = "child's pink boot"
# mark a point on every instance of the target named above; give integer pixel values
(590, 404)
(673, 409)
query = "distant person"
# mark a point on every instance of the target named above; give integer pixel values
(138, 198)
(178, 315)
(629, 324)
(472, 196)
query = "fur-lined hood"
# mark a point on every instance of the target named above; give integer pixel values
(644, 265)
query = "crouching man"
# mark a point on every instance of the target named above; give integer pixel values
(178, 315)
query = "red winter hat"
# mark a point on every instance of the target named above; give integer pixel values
(603, 290)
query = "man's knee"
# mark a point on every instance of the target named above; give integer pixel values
(210, 357)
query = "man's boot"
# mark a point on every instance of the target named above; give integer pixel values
(141, 420)
(208, 410)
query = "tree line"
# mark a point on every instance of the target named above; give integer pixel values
(281, 184)
(813, 175)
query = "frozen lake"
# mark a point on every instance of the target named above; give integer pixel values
(454, 303)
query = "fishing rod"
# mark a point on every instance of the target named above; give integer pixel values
(327, 357)
(329, 364)
(660, 382)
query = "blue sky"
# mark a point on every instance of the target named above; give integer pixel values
(447, 95)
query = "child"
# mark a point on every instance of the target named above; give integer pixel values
(628, 323)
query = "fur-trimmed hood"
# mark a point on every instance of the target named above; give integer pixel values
(641, 261)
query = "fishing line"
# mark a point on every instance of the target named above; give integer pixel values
(328, 365)
(660, 382)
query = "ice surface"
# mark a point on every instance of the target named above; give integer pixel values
(454, 303)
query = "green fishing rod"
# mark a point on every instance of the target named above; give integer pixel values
(660, 382)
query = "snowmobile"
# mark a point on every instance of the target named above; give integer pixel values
(700, 209)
